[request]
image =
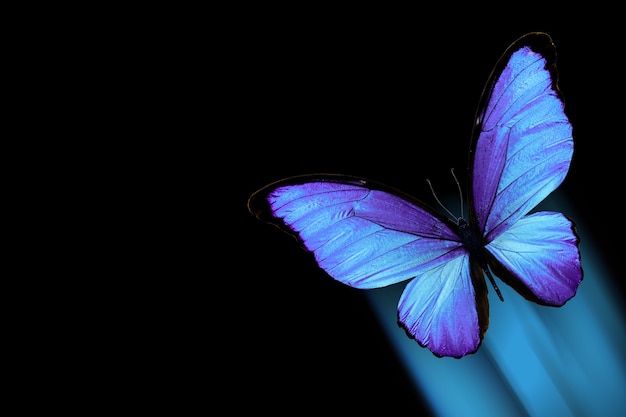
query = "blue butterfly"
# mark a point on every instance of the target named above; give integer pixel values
(368, 235)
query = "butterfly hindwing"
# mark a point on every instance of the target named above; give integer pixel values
(446, 309)
(539, 257)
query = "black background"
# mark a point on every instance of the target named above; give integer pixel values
(171, 295)
(387, 98)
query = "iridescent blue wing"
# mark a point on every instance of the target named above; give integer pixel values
(446, 309)
(522, 151)
(366, 235)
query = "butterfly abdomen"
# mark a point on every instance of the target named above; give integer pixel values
(476, 251)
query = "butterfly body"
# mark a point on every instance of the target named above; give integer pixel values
(368, 235)
(471, 243)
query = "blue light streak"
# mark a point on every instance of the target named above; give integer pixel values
(535, 360)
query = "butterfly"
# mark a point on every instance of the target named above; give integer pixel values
(369, 235)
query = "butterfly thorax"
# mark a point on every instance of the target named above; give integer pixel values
(476, 251)
(472, 244)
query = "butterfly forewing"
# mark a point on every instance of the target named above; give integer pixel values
(360, 235)
(524, 143)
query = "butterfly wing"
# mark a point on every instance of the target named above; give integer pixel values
(366, 235)
(446, 309)
(539, 257)
(521, 153)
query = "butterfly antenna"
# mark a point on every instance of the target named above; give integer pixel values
(435, 195)
(458, 184)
